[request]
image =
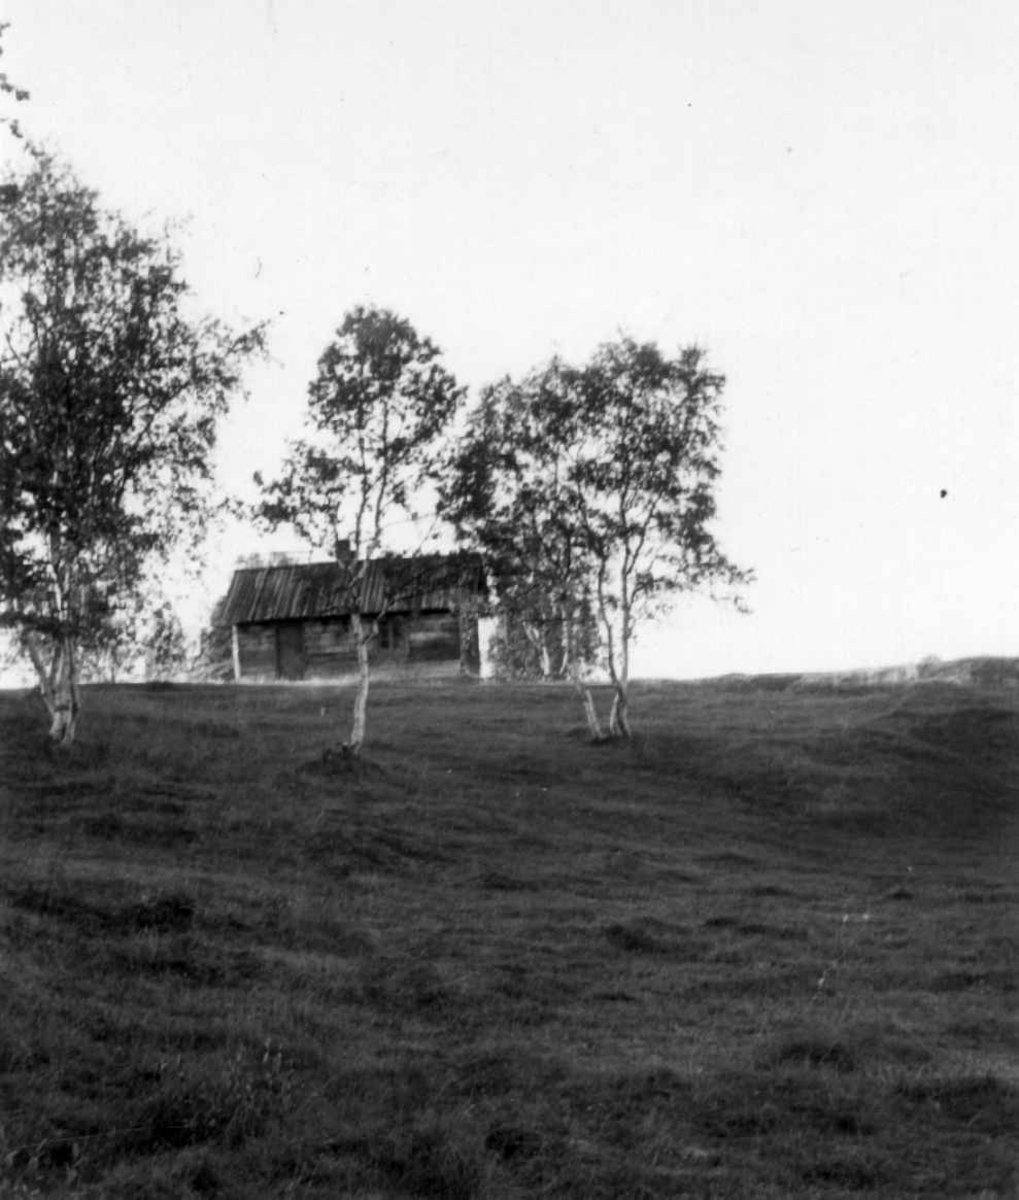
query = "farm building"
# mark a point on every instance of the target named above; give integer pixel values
(293, 622)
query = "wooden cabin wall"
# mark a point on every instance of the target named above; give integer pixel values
(327, 647)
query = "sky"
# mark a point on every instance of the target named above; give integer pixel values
(824, 196)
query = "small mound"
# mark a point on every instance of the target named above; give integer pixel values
(340, 761)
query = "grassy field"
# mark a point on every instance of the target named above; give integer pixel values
(768, 950)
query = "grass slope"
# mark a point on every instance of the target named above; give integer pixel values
(769, 950)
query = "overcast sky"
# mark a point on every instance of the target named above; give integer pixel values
(824, 195)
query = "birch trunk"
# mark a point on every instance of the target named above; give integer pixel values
(363, 679)
(590, 712)
(619, 717)
(581, 688)
(617, 658)
(58, 684)
(538, 638)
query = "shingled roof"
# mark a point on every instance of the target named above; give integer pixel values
(316, 590)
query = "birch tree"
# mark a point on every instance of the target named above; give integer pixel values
(508, 494)
(109, 397)
(595, 487)
(378, 410)
(644, 442)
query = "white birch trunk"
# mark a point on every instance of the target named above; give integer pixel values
(59, 687)
(590, 712)
(619, 721)
(581, 688)
(539, 640)
(619, 718)
(357, 730)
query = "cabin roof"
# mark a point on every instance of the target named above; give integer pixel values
(325, 589)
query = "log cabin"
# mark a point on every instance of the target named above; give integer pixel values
(292, 622)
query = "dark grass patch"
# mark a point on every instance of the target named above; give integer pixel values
(851, 1171)
(215, 730)
(999, 897)
(649, 936)
(340, 763)
(981, 1029)
(403, 987)
(781, 933)
(345, 841)
(972, 729)
(431, 1160)
(426, 1156)
(791, 1102)
(238, 1101)
(828, 1053)
(168, 913)
(504, 1070)
(995, 979)
(769, 889)
(982, 1103)
(831, 1128)
(732, 980)
(629, 1092)
(113, 826)
(869, 1046)
(525, 995)
(189, 959)
(514, 1142)
(728, 859)
(499, 881)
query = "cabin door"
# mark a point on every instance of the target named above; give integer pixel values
(290, 651)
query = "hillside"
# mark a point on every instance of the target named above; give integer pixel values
(768, 950)
(983, 671)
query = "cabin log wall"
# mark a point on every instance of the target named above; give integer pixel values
(428, 643)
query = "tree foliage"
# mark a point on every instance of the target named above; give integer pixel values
(523, 649)
(110, 393)
(378, 409)
(166, 648)
(596, 484)
(9, 89)
(506, 491)
(646, 442)
(116, 648)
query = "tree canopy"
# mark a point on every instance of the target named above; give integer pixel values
(378, 408)
(506, 491)
(596, 484)
(110, 391)
(645, 440)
